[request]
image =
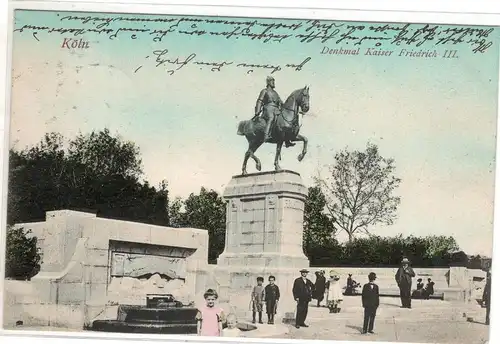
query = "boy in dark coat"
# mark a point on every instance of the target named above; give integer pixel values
(371, 300)
(271, 298)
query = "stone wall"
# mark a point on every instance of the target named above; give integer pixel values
(71, 289)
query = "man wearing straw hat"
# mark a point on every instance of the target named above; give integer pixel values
(403, 277)
(302, 293)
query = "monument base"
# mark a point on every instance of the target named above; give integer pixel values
(235, 295)
(263, 260)
(264, 234)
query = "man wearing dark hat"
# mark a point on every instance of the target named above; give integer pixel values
(370, 299)
(302, 293)
(403, 277)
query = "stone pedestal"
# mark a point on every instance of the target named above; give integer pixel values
(264, 223)
(264, 230)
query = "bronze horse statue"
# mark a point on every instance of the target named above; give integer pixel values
(286, 128)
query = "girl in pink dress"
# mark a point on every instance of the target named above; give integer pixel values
(210, 318)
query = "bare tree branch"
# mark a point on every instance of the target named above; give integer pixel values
(360, 190)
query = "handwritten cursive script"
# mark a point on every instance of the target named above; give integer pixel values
(157, 28)
(172, 64)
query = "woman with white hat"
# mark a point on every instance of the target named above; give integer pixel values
(334, 296)
(403, 277)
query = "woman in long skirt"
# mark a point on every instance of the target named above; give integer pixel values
(334, 296)
(319, 287)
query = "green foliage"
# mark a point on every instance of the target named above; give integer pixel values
(206, 210)
(319, 230)
(388, 251)
(360, 190)
(97, 172)
(22, 256)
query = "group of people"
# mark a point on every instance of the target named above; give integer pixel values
(210, 318)
(423, 292)
(304, 290)
(329, 289)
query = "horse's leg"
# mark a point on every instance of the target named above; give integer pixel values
(252, 150)
(278, 154)
(304, 147)
(248, 153)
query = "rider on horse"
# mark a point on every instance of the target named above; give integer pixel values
(270, 104)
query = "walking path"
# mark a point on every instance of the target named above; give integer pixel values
(429, 321)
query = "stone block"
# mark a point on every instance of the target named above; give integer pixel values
(75, 274)
(70, 293)
(270, 209)
(96, 274)
(97, 257)
(135, 234)
(95, 293)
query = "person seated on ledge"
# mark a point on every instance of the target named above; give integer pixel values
(351, 286)
(429, 288)
(419, 293)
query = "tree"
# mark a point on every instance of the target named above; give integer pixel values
(100, 154)
(360, 190)
(97, 171)
(22, 256)
(206, 210)
(439, 248)
(319, 231)
(176, 213)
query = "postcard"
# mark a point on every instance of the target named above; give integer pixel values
(250, 177)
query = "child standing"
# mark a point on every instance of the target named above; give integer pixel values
(209, 318)
(334, 296)
(257, 299)
(371, 299)
(271, 298)
(231, 330)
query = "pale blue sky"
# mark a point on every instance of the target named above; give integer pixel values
(435, 117)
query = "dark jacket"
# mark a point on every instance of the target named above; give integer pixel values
(403, 278)
(302, 291)
(271, 293)
(487, 289)
(319, 287)
(370, 296)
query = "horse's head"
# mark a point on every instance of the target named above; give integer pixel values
(304, 99)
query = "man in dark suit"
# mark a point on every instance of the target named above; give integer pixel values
(403, 277)
(302, 293)
(370, 299)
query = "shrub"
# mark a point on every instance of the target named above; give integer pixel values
(22, 256)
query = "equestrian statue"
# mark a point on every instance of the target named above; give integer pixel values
(275, 122)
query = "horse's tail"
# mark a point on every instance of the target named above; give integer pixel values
(241, 128)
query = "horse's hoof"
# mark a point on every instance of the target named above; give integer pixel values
(258, 167)
(300, 157)
(243, 173)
